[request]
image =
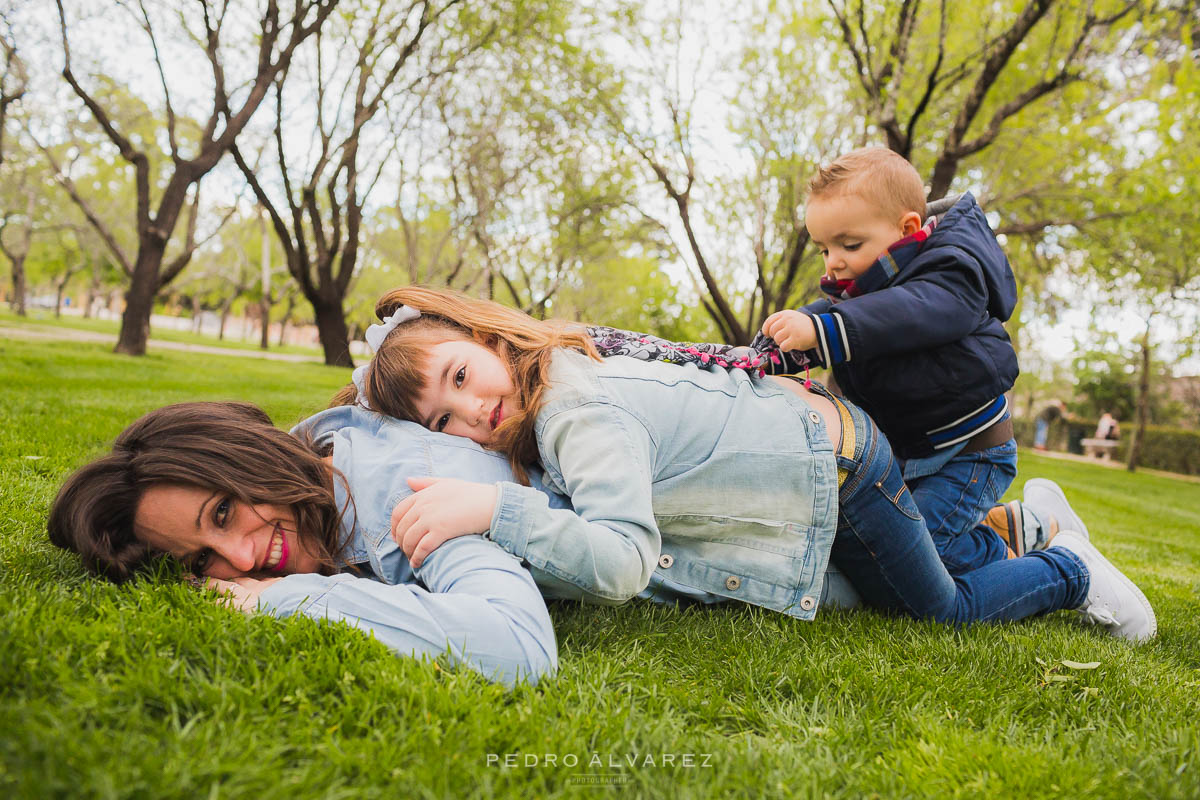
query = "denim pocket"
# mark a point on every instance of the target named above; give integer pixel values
(892, 486)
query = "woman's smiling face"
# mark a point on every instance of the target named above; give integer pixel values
(217, 535)
(468, 391)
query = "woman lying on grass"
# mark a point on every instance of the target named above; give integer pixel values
(720, 483)
(268, 518)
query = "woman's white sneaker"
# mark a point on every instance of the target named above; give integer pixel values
(1112, 599)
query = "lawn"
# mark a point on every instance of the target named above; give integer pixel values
(43, 320)
(151, 690)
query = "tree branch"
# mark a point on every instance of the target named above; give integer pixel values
(1038, 226)
(294, 261)
(1012, 107)
(162, 77)
(93, 219)
(931, 82)
(138, 159)
(190, 244)
(13, 65)
(861, 68)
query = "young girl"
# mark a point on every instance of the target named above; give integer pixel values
(723, 482)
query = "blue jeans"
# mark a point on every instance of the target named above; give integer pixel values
(1041, 433)
(884, 548)
(955, 498)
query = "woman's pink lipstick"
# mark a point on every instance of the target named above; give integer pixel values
(283, 549)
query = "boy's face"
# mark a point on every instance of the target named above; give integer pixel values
(852, 232)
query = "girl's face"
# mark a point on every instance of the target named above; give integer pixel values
(468, 391)
(220, 536)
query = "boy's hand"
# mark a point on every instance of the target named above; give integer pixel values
(791, 330)
(441, 509)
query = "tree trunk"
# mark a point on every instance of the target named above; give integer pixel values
(197, 320)
(18, 281)
(1143, 404)
(334, 336)
(224, 318)
(943, 175)
(287, 316)
(264, 312)
(139, 299)
(92, 290)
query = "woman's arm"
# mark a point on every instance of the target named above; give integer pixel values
(478, 604)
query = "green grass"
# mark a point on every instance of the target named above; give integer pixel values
(43, 319)
(152, 691)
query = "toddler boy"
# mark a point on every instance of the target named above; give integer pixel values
(912, 328)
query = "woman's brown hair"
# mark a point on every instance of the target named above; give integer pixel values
(229, 447)
(523, 343)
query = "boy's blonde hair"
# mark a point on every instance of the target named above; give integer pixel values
(524, 345)
(878, 175)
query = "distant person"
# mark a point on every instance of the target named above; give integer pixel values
(1053, 412)
(1108, 428)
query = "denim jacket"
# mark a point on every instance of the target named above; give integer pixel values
(724, 484)
(469, 599)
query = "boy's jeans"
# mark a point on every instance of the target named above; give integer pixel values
(884, 548)
(955, 498)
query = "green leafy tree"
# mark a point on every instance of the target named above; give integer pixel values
(215, 28)
(951, 87)
(1149, 256)
(1105, 382)
(372, 74)
(14, 80)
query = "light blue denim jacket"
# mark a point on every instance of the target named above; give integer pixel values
(724, 484)
(469, 599)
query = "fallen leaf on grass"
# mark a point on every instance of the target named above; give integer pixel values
(1079, 665)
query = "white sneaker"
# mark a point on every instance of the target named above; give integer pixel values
(1046, 499)
(1112, 599)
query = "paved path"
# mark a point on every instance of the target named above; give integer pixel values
(46, 332)
(1113, 464)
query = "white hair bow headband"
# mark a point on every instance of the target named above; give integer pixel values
(375, 336)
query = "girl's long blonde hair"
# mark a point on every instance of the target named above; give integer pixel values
(524, 344)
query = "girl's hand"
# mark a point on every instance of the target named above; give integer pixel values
(439, 510)
(240, 593)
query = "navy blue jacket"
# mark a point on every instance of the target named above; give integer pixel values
(924, 350)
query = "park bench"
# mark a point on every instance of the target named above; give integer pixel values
(1100, 448)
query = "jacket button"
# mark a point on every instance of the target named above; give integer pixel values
(733, 582)
(666, 560)
(815, 417)
(807, 603)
